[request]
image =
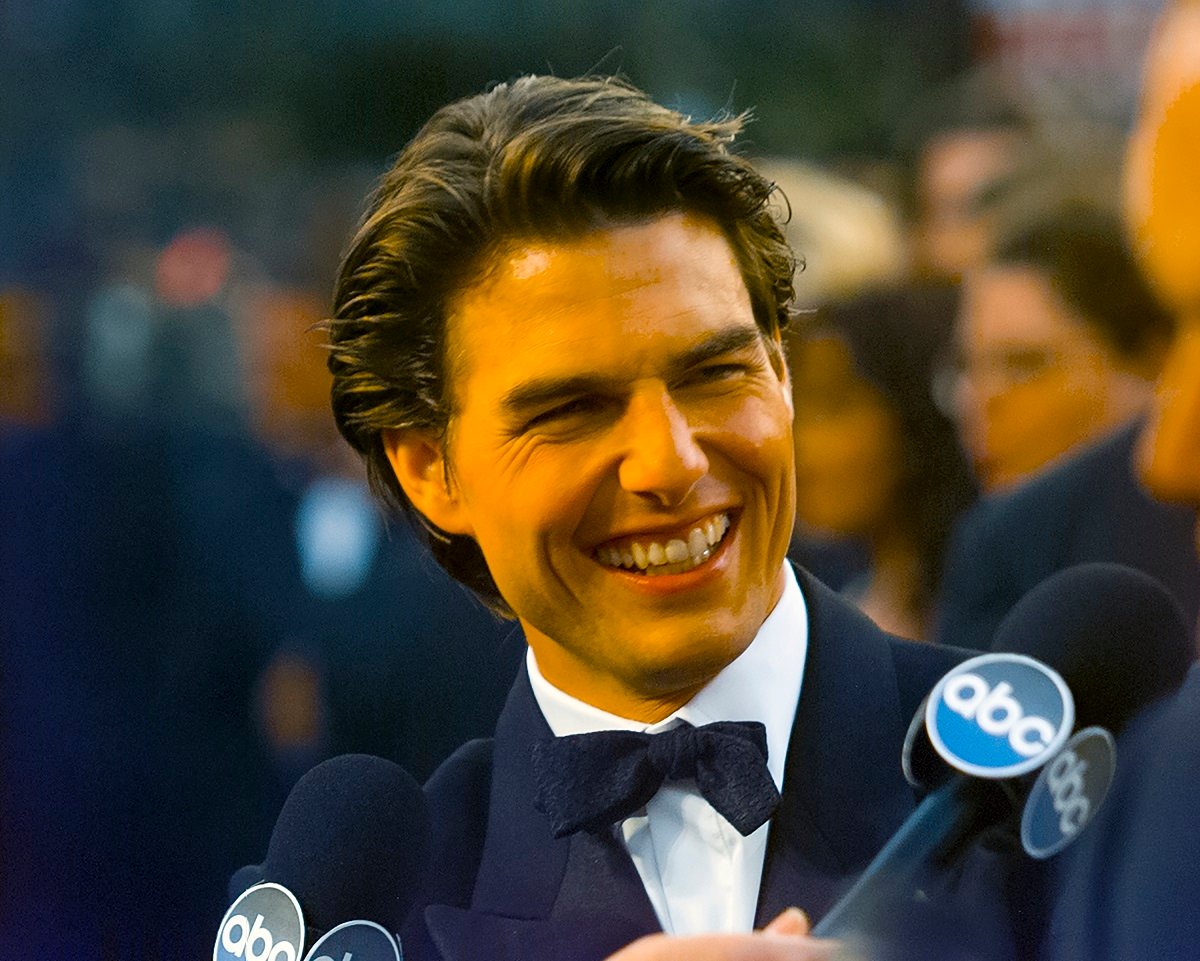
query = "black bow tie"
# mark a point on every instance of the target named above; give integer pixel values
(590, 781)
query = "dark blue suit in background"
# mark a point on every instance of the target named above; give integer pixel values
(1088, 508)
(504, 888)
(1129, 887)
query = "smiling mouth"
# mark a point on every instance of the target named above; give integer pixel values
(675, 556)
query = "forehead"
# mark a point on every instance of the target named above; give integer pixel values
(1006, 301)
(606, 296)
(604, 261)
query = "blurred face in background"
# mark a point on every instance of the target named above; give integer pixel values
(848, 444)
(1035, 379)
(954, 227)
(1162, 212)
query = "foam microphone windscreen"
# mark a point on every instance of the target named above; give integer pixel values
(351, 842)
(1116, 635)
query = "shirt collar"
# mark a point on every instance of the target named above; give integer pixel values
(762, 684)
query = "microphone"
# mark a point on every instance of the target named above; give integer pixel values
(1120, 642)
(350, 845)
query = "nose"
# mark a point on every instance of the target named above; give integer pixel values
(1169, 456)
(662, 460)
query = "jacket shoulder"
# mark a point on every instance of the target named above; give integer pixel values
(920, 666)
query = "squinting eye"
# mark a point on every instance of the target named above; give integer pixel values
(720, 371)
(580, 405)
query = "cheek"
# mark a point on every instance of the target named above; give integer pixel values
(1166, 208)
(1169, 459)
(1051, 406)
(758, 437)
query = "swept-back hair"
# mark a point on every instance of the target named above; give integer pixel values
(537, 159)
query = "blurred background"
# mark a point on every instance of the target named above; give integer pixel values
(198, 599)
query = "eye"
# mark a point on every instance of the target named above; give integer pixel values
(575, 407)
(719, 371)
(715, 373)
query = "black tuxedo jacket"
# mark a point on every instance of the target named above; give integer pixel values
(1088, 508)
(503, 888)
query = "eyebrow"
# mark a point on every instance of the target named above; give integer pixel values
(541, 391)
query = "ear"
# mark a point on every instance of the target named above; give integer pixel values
(419, 464)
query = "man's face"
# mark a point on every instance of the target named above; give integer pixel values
(1036, 381)
(621, 451)
(1162, 210)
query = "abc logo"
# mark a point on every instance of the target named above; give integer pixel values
(999, 715)
(264, 924)
(356, 939)
(1064, 779)
(1068, 792)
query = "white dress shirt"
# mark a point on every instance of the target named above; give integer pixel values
(700, 874)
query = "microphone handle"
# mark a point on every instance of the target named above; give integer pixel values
(933, 836)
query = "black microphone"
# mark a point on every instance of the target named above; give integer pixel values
(351, 844)
(1119, 641)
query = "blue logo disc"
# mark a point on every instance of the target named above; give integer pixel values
(357, 940)
(1068, 792)
(263, 924)
(999, 715)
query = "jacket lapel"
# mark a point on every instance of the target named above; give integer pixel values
(536, 896)
(844, 791)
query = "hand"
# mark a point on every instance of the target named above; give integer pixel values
(784, 939)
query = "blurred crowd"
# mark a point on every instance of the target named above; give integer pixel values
(199, 598)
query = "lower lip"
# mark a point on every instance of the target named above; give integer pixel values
(663, 584)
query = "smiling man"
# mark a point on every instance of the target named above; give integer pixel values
(556, 342)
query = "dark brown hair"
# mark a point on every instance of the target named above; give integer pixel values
(1081, 250)
(540, 158)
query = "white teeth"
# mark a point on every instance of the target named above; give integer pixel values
(677, 551)
(677, 556)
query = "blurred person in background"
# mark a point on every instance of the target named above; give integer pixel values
(971, 143)
(955, 222)
(1060, 339)
(875, 457)
(125, 684)
(852, 241)
(379, 648)
(1131, 886)
(44, 829)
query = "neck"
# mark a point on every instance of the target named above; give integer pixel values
(891, 597)
(644, 703)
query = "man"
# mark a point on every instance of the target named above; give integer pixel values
(556, 342)
(1061, 340)
(1130, 891)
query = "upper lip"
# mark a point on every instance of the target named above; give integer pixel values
(660, 529)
